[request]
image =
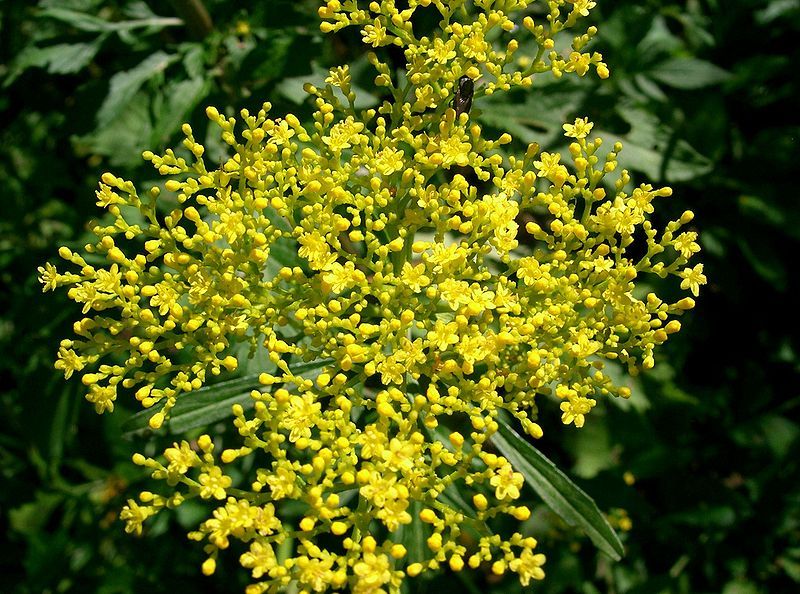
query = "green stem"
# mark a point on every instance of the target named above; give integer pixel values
(196, 17)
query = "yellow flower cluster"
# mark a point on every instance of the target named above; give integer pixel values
(436, 284)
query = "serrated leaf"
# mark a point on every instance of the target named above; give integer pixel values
(193, 59)
(658, 41)
(268, 59)
(653, 149)
(563, 496)
(124, 139)
(87, 22)
(689, 73)
(62, 58)
(125, 85)
(212, 403)
(538, 119)
(80, 20)
(180, 98)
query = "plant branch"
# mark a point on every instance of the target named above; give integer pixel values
(196, 17)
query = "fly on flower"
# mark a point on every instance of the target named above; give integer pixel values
(462, 102)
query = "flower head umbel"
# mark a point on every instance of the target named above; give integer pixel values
(376, 258)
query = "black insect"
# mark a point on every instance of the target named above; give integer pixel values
(462, 102)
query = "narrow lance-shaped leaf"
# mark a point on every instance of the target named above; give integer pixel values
(563, 496)
(212, 403)
(414, 535)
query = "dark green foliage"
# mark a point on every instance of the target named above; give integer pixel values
(704, 96)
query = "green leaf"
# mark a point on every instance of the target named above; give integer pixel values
(193, 59)
(775, 10)
(180, 98)
(75, 18)
(62, 58)
(452, 497)
(766, 261)
(689, 73)
(32, 517)
(659, 40)
(210, 403)
(591, 447)
(213, 403)
(282, 251)
(563, 496)
(269, 57)
(791, 568)
(292, 88)
(125, 85)
(740, 586)
(655, 150)
(124, 139)
(413, 536)
(61, 427)
(538, 119)
(87, 22)
(779, 434)
(770, 212)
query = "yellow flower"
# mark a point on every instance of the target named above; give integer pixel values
(442, 51)
(181, 458)
(343, 134)
(280, 134)
(580, 129)
(529, 566)
(389, 160)
(548, 164)
(282, 482)
(134, 516)
(372, 572)
(693, 278)
(214, 483)
(339, 77)
(342, 278)
(575, 409)
(442, 335)
(102, 397)
(316, 573)
(301, 416)
(506, 482)
(48, 276)
(686, 244)
(260, 559)
(316, 250)
(583, 7)
(414, 277)
(399, 308)
(68, 361)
